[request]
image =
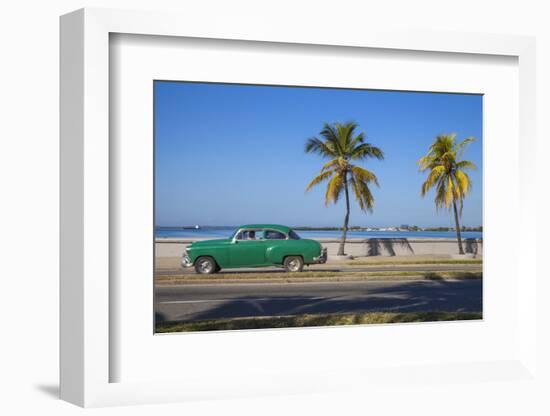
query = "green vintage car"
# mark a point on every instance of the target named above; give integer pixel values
(254, 245)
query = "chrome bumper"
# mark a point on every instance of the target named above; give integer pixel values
(186, 261)
(322, 258)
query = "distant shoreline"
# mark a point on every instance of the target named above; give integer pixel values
(320, 233)
(306, 228)
(329, 239)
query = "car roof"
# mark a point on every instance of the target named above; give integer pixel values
(278, 227)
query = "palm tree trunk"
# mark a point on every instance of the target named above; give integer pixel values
(460, 249)
(346, 219)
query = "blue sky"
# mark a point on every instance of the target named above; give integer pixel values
(230, 154)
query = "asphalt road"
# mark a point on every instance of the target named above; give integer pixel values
(373, 268)
(199, 302)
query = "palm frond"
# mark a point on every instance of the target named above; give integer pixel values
(360, 138)
(427, 162)
(315, 145)
(320, 178)
(334, 188)
(331, 164)
(451, 194)
(433, 177)
(463, 183)
(331, 139)
(440, 192)
(345, 133)
(459, 147)
(465, 164)
(363, 175)
(362, 194)
(366, 150)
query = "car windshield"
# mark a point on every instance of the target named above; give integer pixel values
(292, 235)
(274, 235)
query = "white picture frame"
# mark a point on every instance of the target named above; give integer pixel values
(86, 262)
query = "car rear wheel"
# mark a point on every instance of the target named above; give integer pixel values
(293, 264)
(206, 265)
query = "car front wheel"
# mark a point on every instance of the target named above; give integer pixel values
(205, 265)
(293, 264)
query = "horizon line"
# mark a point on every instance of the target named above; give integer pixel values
(319, 226)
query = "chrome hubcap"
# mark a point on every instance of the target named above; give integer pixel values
(206, 266)
(293, 265)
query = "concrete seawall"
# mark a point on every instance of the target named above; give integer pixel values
(385, 247)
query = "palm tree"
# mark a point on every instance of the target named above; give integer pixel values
(342, 145)
(448, 175)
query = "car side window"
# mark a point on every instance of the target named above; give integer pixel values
(249, 235)
(293, 235)
(274, 235)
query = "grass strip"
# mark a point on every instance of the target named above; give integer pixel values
(329, 276)
(315, 320)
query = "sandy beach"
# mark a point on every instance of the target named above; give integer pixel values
(373, 247)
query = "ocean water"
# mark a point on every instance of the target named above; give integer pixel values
(224, 232)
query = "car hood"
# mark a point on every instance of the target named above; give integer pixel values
(209, 243)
